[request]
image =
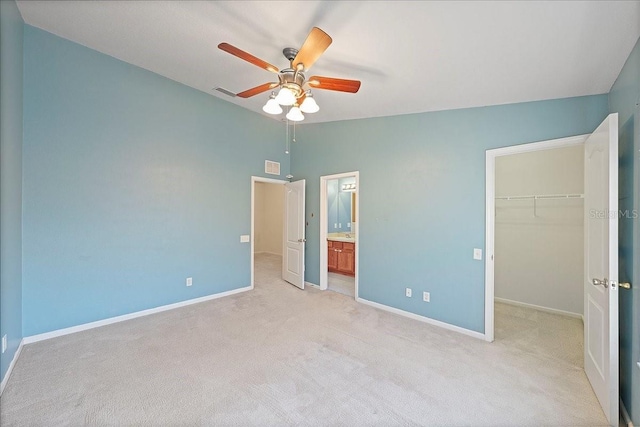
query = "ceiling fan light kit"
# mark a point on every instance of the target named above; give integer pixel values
(285, 97)
(295, 115)
(292, 80)
(309, 104)
(272, 106)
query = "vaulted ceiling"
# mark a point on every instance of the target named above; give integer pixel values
(410, 56)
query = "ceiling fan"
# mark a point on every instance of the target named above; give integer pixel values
(292, 81)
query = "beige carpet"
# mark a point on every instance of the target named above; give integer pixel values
(279, 356)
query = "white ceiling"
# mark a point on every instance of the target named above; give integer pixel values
(410, 56)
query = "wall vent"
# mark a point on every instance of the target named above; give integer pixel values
(271, 167)
(226, 92)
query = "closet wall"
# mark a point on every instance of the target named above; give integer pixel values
(269, 217)
(539, 255)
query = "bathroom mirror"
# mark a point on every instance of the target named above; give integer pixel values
(341, 204)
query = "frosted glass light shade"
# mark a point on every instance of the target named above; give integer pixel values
(285, 97)
(272, 106)
(309, 105)
(295, 115)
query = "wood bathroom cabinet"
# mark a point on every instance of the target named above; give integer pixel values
(341, 257)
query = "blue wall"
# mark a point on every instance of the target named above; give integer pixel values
(132, 183)
(422, 195)
(624, 99)
(11, 40)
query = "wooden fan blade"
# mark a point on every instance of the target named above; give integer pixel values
(316, 43)
(329, 83)
(256, 90)
(247, 57)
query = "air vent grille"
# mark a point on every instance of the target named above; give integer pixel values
(271, 167)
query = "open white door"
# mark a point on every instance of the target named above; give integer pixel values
(294, 240)
(601, 265)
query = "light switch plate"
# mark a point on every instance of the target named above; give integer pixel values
(477, 253)
(245, 238)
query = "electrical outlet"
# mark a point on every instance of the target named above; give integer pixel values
(426, 297)
(407, 292)
(189, 281)
(4, 343)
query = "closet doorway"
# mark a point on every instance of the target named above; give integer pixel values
(339, 236)
(535, 234)
(539, 230)
(539, 252)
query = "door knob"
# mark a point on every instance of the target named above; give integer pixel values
(302, 240)
(598, 282)
(625, 285)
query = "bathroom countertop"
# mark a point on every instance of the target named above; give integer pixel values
(341, 237)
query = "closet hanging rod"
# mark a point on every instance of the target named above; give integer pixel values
(543, 197)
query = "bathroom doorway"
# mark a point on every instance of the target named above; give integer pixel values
(339, 236)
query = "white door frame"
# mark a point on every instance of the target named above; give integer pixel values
(490, 203)
(255, 179)
(324, 257)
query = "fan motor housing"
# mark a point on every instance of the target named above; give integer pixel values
(292, 80)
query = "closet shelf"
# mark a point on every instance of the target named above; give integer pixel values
(542, 197)
(536, 197)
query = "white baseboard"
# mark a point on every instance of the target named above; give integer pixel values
(540, 308)
(111, 320)
(625, 415)
(424, 319)
(3, 384)
(313, 285)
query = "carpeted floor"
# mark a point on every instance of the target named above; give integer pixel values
(278, 356)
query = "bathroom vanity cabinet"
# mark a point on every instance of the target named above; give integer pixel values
(341, 257)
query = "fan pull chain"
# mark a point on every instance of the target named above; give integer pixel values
(294, 131)
(286, 145)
